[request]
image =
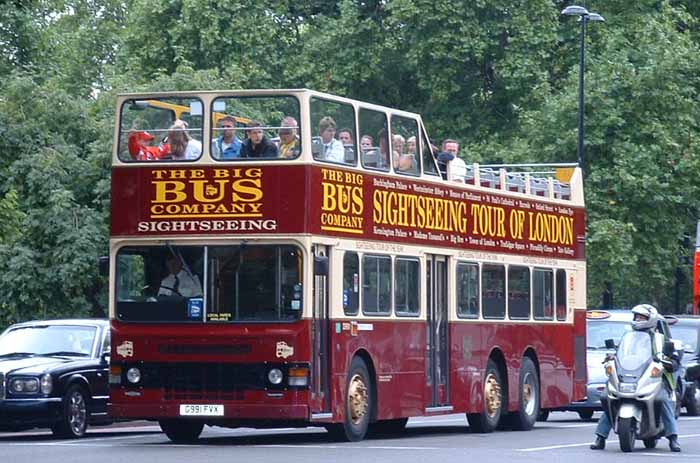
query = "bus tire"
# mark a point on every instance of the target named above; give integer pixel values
(359, 398)
(529, 397)
(182, 431)
(488, 419)
(388, 427)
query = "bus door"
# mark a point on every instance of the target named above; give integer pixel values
(438, 353)
(321, 334)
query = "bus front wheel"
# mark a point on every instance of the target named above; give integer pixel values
(181, 431)
(488, 419)
(359, 399)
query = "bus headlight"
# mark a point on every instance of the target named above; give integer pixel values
(275, 376)
(46, 384)
(133, 375)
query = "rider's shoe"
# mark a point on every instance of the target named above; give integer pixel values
(673, 443)
(599, 443)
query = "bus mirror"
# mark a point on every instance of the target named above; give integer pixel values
(104, 266)
(609, 344)
(320, 266)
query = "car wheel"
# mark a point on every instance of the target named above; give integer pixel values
(693, 403)
(585, 415)
(388, 427)
(74, 417)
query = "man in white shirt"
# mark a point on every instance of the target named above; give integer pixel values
(180, 282)
(331, 149)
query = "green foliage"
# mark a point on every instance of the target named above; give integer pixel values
(501, 76)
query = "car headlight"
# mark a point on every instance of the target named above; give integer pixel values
(24, 385)
(46, 384)
(275, 376)
(133, 375)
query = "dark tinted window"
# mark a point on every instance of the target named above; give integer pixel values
(351, 283)
(407, 285)
(518, 292)
(543, 292)
(376, 284)
(467, 290)
(493, 285)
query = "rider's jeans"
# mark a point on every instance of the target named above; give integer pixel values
(667, 416)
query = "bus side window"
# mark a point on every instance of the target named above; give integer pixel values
(543, 297)
(467, 290)
(374, 140)
(407, 286)
(561, 295)
(351, 283)
(493, 282)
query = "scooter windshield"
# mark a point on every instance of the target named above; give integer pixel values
(634, 350)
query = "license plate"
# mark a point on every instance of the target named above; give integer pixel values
(201, 410)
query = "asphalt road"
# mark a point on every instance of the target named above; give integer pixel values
(439, 439)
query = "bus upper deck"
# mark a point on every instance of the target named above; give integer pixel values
(303, 126)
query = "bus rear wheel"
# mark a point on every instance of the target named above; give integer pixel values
(359, 399)
(529, 402)
(487, 420)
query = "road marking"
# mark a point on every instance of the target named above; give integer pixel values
(564, 446)
(667, 454)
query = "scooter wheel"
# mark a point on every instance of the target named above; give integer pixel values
(626, 430)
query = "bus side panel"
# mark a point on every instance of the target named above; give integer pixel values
(397, 352)
(473, 342)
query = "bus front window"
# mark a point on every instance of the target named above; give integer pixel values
(160, 129)
(241, 283)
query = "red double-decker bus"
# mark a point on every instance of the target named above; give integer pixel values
(293, 258)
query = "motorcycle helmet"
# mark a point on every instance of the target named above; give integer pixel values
(645, 317)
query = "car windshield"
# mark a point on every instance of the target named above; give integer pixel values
(61, 340)
(243, 283)
(598, 331)
(634, 350)
(688, 335)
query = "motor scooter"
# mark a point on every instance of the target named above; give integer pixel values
(635, 390)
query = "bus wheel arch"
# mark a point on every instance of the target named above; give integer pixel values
(364, 355)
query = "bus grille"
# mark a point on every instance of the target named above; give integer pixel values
(204, 381)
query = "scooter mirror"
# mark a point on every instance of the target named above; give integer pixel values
(609, 344)
(692, 373)
(669, 348)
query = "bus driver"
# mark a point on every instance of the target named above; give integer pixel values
(180, 281)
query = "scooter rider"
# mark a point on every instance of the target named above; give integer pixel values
(646, 318)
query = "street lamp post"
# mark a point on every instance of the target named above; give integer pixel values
(584, 16)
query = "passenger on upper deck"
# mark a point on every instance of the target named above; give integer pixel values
(450, 156)
(289, 141)
(366, 143)
(227, 145)
(332, 149)
(257, 145)
(141, 150)
(348, 140)
(403, 162)
(182, 146)
(411, 145)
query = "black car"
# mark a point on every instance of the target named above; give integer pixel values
(687, 331)
(54, 374)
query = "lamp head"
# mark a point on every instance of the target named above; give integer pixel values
(574, 10)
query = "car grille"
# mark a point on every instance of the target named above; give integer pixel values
(2, 386)
(187, 381)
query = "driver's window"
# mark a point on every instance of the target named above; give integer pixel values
(106, 342)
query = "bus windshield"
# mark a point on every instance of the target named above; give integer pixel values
(244, 283)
